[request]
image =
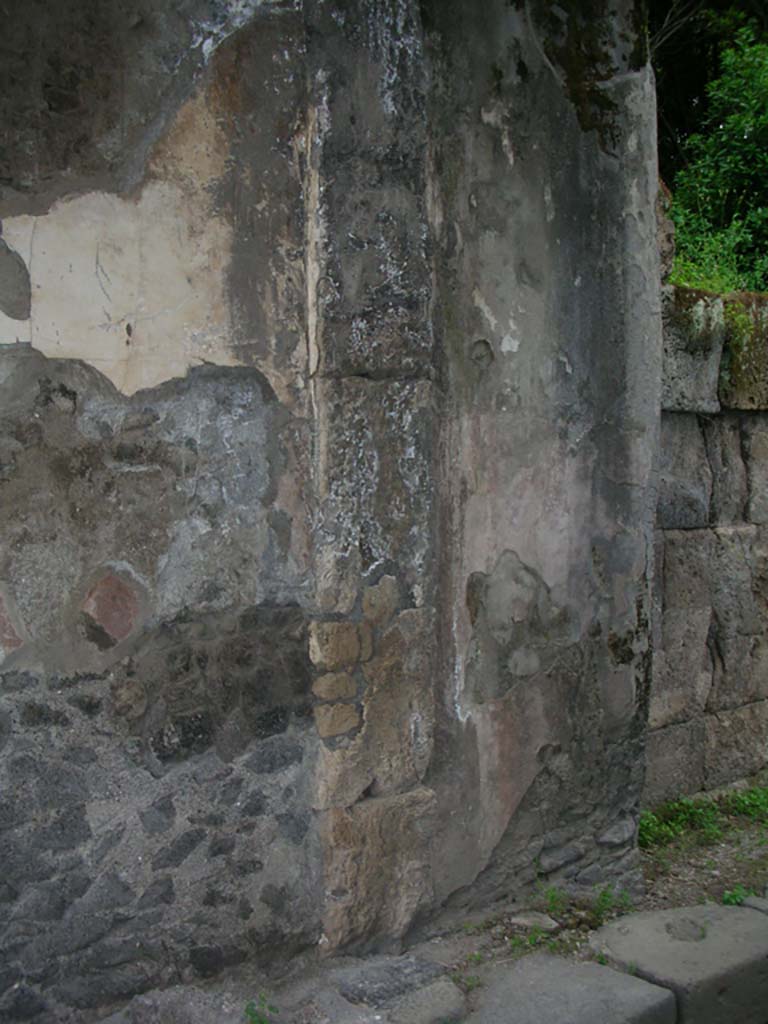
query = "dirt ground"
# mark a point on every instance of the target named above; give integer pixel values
(687, 871)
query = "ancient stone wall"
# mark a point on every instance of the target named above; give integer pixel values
(329, 376)
(708, 714)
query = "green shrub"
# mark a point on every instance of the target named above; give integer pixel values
(720, 205)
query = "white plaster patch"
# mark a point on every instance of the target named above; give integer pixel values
(485, 309)
(549, 206)
(494, 117)
(135, 285)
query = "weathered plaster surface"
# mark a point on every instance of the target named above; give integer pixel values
(325, 481)
(552, 338)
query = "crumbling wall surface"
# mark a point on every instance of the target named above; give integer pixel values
(709, 701)
(156, 567)
(543, 177)
(329, 375)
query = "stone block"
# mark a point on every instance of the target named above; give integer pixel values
(377, 867)
(333, 645)
(674, 762)
(381, 981)
(744, 382)
(736, 744)
(380, 601)
(335, 686)
(393, 748)
(440, 1002)
(694, 332)
(756, 448)
(546, 990)
(685, 486)
(336, 719)
(682, 665)
(714, 959)
(723, 438)
(738, 634)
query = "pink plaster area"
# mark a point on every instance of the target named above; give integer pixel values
(113, 606)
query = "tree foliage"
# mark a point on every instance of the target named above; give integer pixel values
(720, 196)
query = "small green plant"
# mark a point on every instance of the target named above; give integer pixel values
(535, 935)
(602, 959)
(603, 904)
(556, 901)
(466, 982)
(475, 958)
(752, 803)
(736, 896)
(703, 818)
(260, 1011)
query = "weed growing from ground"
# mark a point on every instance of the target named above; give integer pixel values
(259, 1011)
(736, 896)
(703, 819)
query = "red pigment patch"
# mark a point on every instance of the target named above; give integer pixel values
(9, 638)
(112, 608)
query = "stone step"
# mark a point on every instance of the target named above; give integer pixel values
(714, 959)
(541, 989)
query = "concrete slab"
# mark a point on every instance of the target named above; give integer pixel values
(547, 990)
(715, 959)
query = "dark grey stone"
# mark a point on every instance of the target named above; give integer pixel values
(208, 961)
(552, 860)
(221, 845)
(159, 891)
(380, 982)
(177, 852)
(274, 754)
(159, 817)
(22, 1003)
(293, 826)
(230, 791)
(15, 291)
(254, 805)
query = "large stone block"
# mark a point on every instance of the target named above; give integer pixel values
(723, 438)
(738, 640)
(674, 762)
(682, 664)
(377, 867)
(736, 744)
(755, 432)
(694, 332)
(685, 486)
(547, 990)
(714, 959)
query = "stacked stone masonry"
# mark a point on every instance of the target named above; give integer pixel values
(330, 362)
(708, 716)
